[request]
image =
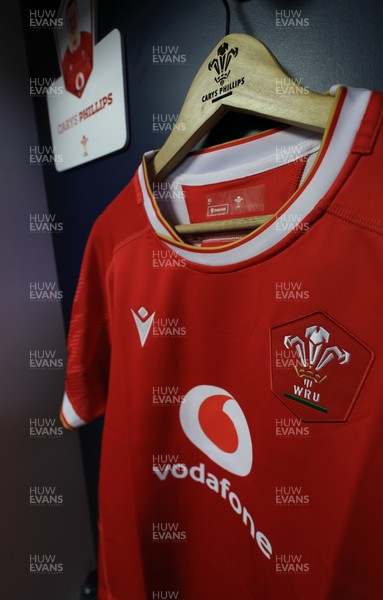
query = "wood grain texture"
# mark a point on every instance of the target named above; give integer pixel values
(266, 91)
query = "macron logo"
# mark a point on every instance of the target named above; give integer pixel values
(143, 323)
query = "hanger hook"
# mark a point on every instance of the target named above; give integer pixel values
(227, 8)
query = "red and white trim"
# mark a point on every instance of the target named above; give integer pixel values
(69, 415)
(255, 155)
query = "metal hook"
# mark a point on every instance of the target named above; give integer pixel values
(227, 8)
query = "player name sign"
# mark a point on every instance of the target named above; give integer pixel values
(95, 124)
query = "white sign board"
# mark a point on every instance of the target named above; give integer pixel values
(95, 124)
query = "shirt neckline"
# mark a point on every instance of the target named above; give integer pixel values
(344, 122)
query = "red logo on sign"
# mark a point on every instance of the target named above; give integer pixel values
(318, 367)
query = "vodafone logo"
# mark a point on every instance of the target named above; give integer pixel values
(214, 422)
(80, 81)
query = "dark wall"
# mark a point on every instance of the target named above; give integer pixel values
(36, 453)
(340, 44)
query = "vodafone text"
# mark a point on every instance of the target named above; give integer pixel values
(197, 473)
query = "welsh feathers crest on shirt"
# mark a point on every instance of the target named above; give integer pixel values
(318, 367)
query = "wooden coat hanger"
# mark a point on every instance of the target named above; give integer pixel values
(240, 74)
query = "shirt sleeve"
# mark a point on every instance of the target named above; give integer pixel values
(87, 371)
